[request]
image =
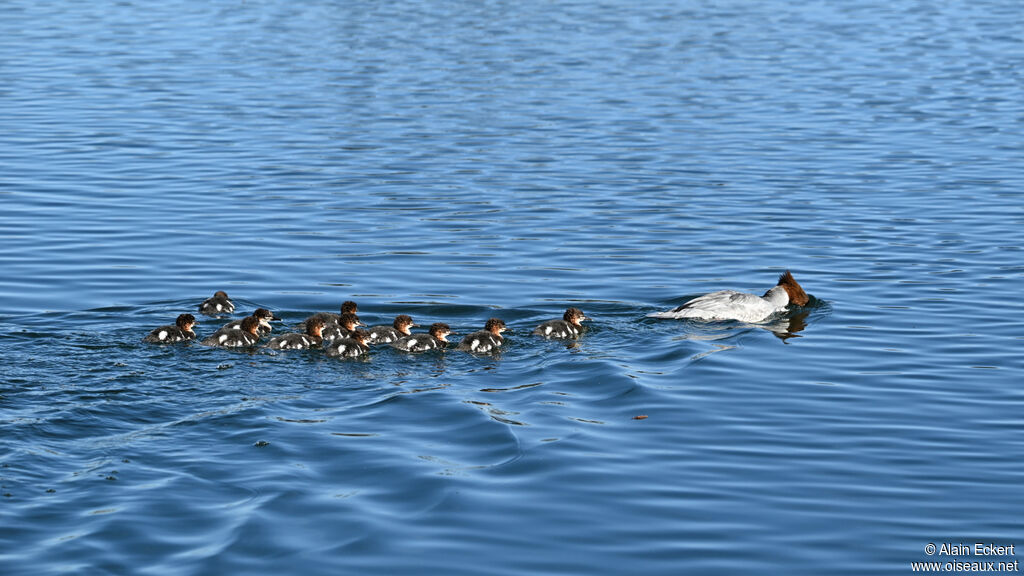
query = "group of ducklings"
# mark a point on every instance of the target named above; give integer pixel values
(340, 335)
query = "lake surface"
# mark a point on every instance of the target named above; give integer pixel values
(461, 160)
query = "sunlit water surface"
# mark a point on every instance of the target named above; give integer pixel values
(462, 160)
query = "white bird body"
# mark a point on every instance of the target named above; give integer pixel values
(733, 305)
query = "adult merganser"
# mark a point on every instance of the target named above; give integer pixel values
(388, 334)
(296, 341)
(247, 335)
(568, 327)
(219, 303)
(437, 338)
(354, 345)
(182, 330)
(262, 314)
(733, 305)
(342, 328)
(487, 340)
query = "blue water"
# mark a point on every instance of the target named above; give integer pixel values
(462, 160)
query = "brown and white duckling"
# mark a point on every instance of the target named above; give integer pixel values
(262, 314)
(350, 347)
(217, 304)
(388, 334)
(436, 338)
(568, 327)
(330, 318)
(342, 328)
(247, 335)
(296, 341)
(181, 331)
(487, 340)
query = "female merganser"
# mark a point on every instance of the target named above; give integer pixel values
(219, 303)
(388, 334)
(329, 318)
(342, 328)
(247, 335)
(182, 330)
(262, 314)
(732, 305)
(486, 340)
(296, 341)
(354, 345)
(437, 338)
(568, 327)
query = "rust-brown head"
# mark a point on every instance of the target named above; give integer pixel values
(349, 307)
(185, 322)
(361, 336)
(440, 330)
(495, 326)
(251, 324)
(220, 294)
(403, 322)
(315, 326)
(795, 291)
(349, 321)
(574, 316)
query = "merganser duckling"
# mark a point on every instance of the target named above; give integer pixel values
(487, 340)
(182, 330)
(436, 338)
(247, 335)
(329, 318)
(219, 303)
(733, 305)
(295, 341)
(388, 334)
(568, 327)
(350, 347)
(342, 328)
(262, 314)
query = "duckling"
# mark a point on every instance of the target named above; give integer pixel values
(436, 338)
(217, 304)
(295, 341)
(487, 340)
(568, 327)
(181, 331)
(388, 334)
(342, 328)
(247, 335)
(350, 347)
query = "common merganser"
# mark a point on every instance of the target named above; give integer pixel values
(733, 305)
(296, 341)
(568, 327)
(350, 347)
(388, 334)
(219, 303)
(487, 340)
(436, 338)
(181, 331)
(262, 314)
(247, 335)
(342, 328)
